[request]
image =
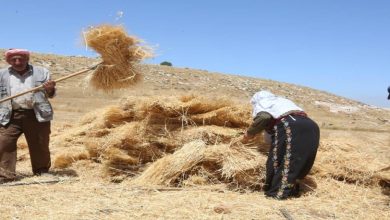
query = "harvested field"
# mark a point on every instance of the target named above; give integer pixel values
(169, 150)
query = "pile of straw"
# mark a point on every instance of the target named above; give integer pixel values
(195, 140)
(120, 53)
(143, 130)
(343, 162)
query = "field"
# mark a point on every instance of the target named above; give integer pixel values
(350, 178)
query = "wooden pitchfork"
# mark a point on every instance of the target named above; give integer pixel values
(57, 80)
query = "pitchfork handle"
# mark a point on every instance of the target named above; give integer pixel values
(57, 80)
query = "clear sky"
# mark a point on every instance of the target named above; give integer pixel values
(339, 46)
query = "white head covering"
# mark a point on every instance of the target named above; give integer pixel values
(265, 101)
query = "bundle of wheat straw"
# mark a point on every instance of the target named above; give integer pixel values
(244, 165)
(344, 163)
(66, 159)
(120, 53)
(167, 169)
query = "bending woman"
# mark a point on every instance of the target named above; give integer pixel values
(295, 140)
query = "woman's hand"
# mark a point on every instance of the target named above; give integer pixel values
(246, 138)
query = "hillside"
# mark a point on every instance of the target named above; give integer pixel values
(353, 163)
(329, 110)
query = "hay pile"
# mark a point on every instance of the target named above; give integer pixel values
(194, 140)
(120, 53)
(343, 162)
(153, 139)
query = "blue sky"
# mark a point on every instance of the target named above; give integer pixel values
(339, 46)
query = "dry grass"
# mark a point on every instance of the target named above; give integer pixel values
(339, 187)
(127, 140)
(150, 138)
(159, 149)
(95, 199)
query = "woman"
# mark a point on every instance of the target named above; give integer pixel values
(295, 140)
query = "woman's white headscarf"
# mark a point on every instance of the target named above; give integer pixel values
(277, 106)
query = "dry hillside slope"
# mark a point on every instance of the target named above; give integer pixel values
(128, 153)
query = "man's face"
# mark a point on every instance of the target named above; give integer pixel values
(18, 62)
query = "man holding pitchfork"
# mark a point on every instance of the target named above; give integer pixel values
(29, 114)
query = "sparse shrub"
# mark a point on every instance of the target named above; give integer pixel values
(166, 63)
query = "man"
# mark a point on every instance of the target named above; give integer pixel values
(29, 114)
(388, 90)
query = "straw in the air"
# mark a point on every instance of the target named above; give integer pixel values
(120, 53)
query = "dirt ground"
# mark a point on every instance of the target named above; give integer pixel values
(82, 191)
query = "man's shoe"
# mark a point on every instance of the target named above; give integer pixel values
(6, 180)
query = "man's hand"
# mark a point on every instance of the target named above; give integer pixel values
(246, 138)
(49, 87)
